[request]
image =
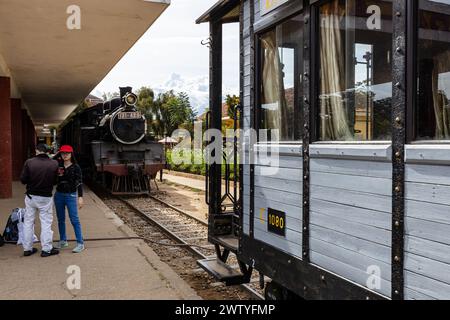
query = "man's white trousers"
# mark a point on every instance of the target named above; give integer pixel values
(45, 207)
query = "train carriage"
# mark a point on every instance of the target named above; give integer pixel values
(350, 99)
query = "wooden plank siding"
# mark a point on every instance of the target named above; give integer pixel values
(351, 218)
(278, 185)
(427, 220)
(276, 241)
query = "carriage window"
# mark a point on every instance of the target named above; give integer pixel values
(355, 85)
(433, 66)
(280, 82)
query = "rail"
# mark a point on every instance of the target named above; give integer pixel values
(193, 248)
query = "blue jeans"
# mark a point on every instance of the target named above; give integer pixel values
(69, 200)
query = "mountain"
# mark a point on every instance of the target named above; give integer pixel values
(196, 88)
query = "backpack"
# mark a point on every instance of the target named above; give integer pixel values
(11, 233)
(14, 227)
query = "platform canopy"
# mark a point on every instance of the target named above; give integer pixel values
(226, 11)
(53, 67)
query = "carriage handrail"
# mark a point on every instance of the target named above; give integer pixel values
(208, 120)
(232, 196)
(237, 109)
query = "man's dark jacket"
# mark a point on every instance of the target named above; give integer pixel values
(39, 174)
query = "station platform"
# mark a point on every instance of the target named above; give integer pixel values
(112, 269)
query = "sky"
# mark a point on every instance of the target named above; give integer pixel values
(170, 56)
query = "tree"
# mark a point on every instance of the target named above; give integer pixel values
(170, 112)
(146, 105)
(181, 113)
(232, 101)
(109, 96)
(161, 123)
(164, 113)
(177, 112)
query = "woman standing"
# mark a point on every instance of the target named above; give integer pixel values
(69, 193)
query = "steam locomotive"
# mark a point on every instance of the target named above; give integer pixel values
(112, 146)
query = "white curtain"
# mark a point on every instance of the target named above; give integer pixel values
(273, 99)
(334, 121)
(440, 99)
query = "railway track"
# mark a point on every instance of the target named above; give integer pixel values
(186, 230)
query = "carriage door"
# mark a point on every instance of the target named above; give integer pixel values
(223, 119)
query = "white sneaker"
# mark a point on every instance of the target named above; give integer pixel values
(79, 248)
(62, 245)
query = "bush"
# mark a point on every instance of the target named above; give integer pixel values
(194, 168)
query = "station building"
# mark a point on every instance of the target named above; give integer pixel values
(52, 54)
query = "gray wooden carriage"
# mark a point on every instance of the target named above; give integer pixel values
(355, 94)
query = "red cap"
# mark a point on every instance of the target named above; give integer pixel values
(66, 149)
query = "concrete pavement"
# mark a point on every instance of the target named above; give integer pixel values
(117, 269)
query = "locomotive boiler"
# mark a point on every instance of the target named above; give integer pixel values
(113, 146)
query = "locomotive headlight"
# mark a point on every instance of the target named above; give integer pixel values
(131, 99)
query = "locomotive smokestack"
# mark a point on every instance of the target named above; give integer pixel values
(124, 91)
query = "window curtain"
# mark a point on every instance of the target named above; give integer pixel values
(440, 100)
(273, 98)
(333, 116)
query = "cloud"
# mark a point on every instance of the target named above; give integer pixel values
(194, 87)
(170, 56)
(197, 88)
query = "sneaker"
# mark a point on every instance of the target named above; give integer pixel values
(62, 245)
(78, 248)
(53, 252)
(30, 253)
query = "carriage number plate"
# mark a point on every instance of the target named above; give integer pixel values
(129, 115)
(276, 222)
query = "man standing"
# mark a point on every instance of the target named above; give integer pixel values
(39, 174)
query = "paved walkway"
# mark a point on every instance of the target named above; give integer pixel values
(119, 269)
(184, 181)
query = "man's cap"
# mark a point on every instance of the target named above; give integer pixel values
(66, 148)
(42, 147)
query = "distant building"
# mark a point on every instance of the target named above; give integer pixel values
(227, 121)
(92, 100)
(225, 115)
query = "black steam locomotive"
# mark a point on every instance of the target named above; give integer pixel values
(112, 146)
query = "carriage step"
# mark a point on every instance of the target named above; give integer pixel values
(229, 212)
(221, 271)
(229, 242)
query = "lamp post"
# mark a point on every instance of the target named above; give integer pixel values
(368, 62)
(165, 157)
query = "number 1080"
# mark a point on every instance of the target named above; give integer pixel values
(276, 221)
